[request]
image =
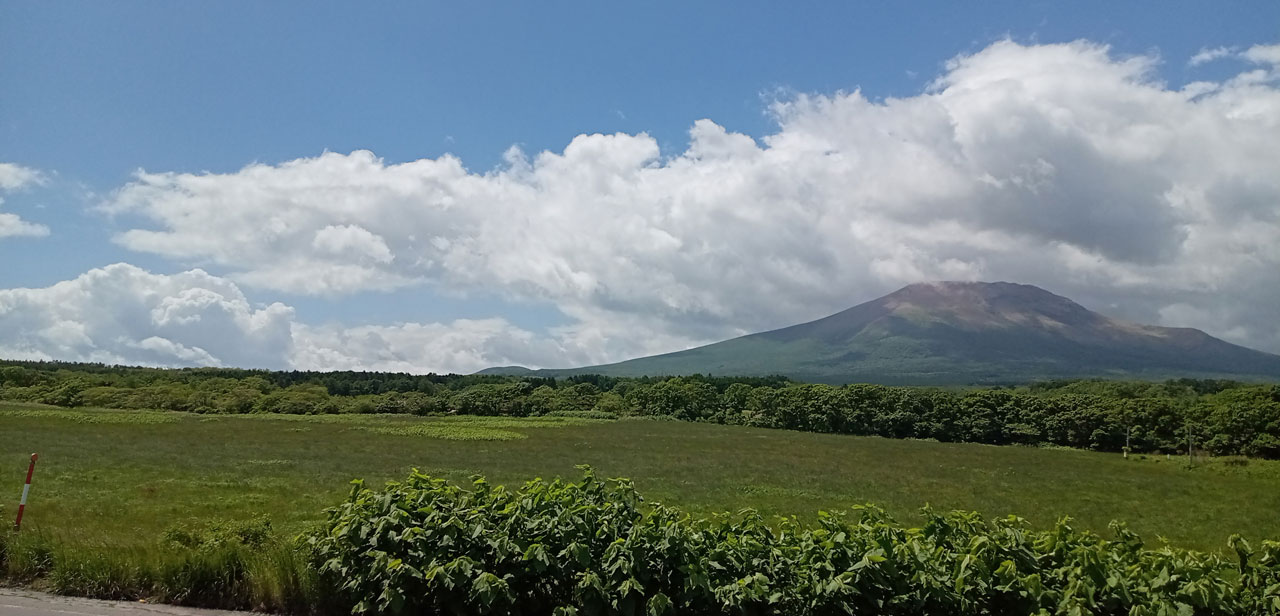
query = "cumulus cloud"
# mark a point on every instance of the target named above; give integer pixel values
(123, 314)
(15, 177)
(1063, 165)
(463, 346)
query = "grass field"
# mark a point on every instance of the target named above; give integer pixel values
(122, 478)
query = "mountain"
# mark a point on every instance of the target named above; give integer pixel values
(958, 333)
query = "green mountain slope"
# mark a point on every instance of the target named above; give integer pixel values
(959, 333)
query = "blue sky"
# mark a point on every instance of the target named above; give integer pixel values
(95, 91)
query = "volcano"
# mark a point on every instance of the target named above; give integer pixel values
(955, 333)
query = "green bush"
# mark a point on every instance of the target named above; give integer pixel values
(584, 414)
(216, 534)
(593, 547)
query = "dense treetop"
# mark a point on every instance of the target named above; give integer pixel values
(1221, 417)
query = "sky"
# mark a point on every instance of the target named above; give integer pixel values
(444, 187)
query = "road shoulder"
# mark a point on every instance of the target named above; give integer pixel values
(20, 602)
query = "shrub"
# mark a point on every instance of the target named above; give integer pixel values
(593, 547)
(216, 534)
(584, 414)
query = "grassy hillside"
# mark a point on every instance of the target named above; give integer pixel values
(906, 353)
(122, 479)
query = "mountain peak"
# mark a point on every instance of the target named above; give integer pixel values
(966, 290)
(961, 332)
(987, 304)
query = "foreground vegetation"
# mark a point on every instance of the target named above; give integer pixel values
(226, 566)
(427, 546)
(1220, 417)
(204, 509)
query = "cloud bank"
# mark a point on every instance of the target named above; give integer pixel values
(1064, 165)
(123, 314)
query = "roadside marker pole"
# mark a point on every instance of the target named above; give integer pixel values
(22, 504)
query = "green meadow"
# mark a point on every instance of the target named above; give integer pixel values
(121, 479)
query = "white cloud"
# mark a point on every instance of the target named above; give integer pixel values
(1257, 54)
(13, 177)
(1207, 55)
(123, 314)
(1060, 165)
(13, 226)
(464, 346)
(352, 242)
(1263, 54)
(16, 177)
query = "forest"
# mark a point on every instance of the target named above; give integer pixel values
(1217, 417)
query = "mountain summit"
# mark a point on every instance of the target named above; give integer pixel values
(961, 333)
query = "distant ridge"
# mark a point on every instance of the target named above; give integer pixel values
(508, 371)
(945, 333)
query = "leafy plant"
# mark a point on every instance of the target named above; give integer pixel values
(593, 547)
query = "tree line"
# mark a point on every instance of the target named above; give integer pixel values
(1216, 416)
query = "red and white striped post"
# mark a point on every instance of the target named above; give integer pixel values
(22, 504)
